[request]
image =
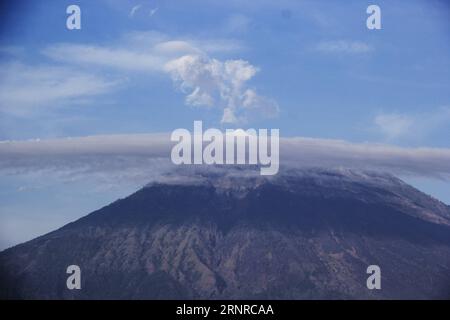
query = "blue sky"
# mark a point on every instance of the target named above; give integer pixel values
(311, 69)
(323, 85)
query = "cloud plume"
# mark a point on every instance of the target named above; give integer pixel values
(210, 82)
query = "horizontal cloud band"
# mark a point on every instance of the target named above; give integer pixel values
(145, 156)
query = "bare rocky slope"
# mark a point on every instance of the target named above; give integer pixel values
(303, 234)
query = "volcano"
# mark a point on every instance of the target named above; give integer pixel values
(233, 234)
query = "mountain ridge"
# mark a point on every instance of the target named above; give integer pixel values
(301, 235)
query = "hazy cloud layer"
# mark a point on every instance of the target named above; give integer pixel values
(24, 89)
(141, 158)
(119, 58)
(400, 126)
(343, 47)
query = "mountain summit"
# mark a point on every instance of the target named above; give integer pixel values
(232, 234)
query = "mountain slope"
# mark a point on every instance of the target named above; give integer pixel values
(302, 234)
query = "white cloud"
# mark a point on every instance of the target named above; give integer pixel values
(138, 51)
(210, 82)
(25, 89)
(14, 51)
(237, 23)
(134, 10)
(139, 7)
(152, 12)
(396, 126)
(211, 46)
(120, 58)
(175, 47)
(343, 46)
